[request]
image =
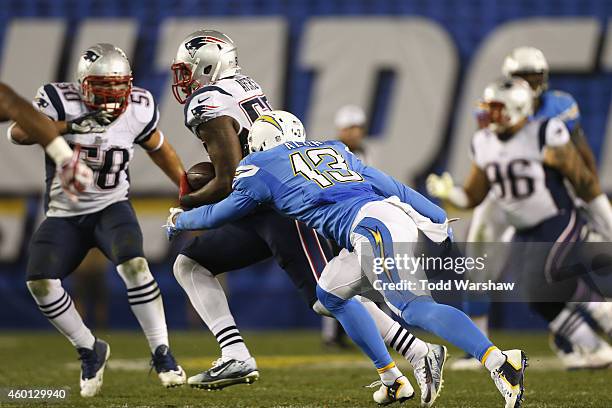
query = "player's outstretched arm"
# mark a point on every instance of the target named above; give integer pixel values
(221, 140)
(164, 156)
(34, 127)
(14, 107)
(233, 207)
(470, 195)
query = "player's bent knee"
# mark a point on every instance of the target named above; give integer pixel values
(41, 287)
(321, 310)
(185, 265)
(135, 271)
(331, 302)
(134, 267)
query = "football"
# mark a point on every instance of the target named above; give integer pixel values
(200, 174)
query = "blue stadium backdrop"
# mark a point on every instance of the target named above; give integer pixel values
(416, 66)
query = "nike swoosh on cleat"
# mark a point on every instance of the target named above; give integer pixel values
(215, 371)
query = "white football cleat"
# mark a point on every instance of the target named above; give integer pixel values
(581, 359)
(428, 372)
(93, 362)
(401, 390)
(225, 372)
(509, 378)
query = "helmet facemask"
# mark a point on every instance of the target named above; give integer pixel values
(184, 83)
(108, 93)
(495, 115)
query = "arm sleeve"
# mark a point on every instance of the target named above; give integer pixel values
(234, 207)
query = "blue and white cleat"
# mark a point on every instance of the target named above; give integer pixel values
(509, 378)
(429, 371)
(93, 362)
(169, 372)
(400, 391)
(226, 372)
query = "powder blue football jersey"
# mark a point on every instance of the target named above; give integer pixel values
(321, 184)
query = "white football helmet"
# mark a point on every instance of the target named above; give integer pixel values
(274, 128)
(507, 102)
(105, 77)
(530, 64)
(204, 57)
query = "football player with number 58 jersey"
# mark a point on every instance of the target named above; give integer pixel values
(102, 116)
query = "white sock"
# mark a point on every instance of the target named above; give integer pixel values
(395, 336)
(208, 299)
(57, 306)
(493, 358)
(389, 374)
(145, 300)
(571, 325)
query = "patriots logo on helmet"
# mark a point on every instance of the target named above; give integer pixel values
(90, 56)
(41, 103)
(196, 43)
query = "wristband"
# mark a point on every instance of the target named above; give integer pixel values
(59, 150)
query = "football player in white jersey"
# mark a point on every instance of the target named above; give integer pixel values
(489, 224)
(522, 165)
(104, 116)
(221, 104)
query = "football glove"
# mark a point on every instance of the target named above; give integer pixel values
(74, 175)
(170, 225)
(92, 122)
(184, 187)
(439, 186)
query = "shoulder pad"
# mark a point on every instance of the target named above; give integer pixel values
(554, 132)
(60, 100)
(207, 103)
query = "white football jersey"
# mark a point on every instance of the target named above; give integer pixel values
(108, 154)
(239, 97)
(526, 190)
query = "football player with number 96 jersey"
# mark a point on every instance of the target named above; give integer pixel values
(103, 115)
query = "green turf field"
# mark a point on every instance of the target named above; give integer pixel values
(296, 371)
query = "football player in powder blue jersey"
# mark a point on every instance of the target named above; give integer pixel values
(367, 212)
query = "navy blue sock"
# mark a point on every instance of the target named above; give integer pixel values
(358, 324)
(447, 323)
